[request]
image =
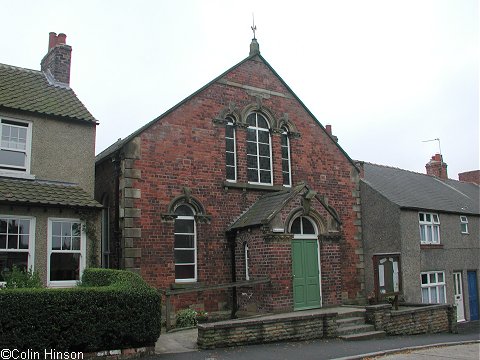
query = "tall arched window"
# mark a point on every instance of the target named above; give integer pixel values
(185, 247)
(230, 149)
(286, 167)
(247, 259)
(259, 150)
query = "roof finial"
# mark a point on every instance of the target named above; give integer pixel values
(253, 27)
(254, 47)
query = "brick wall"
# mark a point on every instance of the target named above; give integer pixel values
(186, 148)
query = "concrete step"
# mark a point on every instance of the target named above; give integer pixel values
(364, 336)
(351, 321)
(354, 329)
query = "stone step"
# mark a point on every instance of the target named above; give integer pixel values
(350, 321)
(354, 329)
(350, 314)
(364, 336)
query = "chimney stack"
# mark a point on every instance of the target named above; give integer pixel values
(328, 128)
(56, 64)
(436, 167)
(470, 176)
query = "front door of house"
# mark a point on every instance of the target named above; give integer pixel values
(457, 283)
(473, 294)
(305, 265)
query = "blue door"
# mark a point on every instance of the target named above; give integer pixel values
(473, 294)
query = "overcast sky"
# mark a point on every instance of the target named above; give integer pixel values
(385, 74)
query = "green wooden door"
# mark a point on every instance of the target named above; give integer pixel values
(306, 280)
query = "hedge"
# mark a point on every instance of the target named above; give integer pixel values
(111, 309)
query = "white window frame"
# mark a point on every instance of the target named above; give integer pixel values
(429, 229)
(192, 218)
(231, 123)
(285, 133)
(31, 241)
(257, 129)
(433, 287)
(82, 251)
(16, 171)
(463, 224)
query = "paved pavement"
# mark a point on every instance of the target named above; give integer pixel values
(181, 345)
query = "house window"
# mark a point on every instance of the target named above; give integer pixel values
(231, 153)
(286, 168)
(16, 244)
(303, 227)
(185, 247)
(247, 258)
(433, 287)
(464, 224)
(15, 145)
(259, 150)
(66, 251)
(429, 228)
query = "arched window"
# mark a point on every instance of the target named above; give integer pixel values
(247, 258)
(231, 152)
(259, 150)
(185, 247)
(303, 227)
(286, 168)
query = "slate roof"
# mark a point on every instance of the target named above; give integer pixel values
(30, 90)
(44, 193)
(412, 190)
(265, 208)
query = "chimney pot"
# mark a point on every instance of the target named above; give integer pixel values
(61, 39)
(52, 40)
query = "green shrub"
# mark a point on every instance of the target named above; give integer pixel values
(20, 278)
(186, 318)
(112, 309)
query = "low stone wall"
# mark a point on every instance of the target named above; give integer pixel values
(267, 329)
(412, 319)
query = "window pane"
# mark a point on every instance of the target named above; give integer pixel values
(265, 163)
(184, 226)
(3, 226)
(229, 131)
(230, 173)
(428, 217)
(425, 298)
(441, 295)
(12, 226)
(184, 210)
(286, 179)
(24, 226)
(23, 244)
(308, 227)
(251, 119)
(56, 242)
(12, 158)
(229, 145)
(9, 259)
(265, 176)
(64, 267)
(264, 137)
(440, 277)
(264, 150)
(184, 241)
(436, 237)
(251, 134)
(433, 278)
(76, 229)
(296, 226)
(252, 161)
(230, 159)
(184, 256)
(262, 123)
(56, 228)
(253, 175)
(76, 243)
(66, 229)
(421, 216)
(433, 295)
(424, 279)
(251, 148)
(66, 243)
(435, 218)
(284, 140)
(3, 241)
(284, 153)
(184, 271)
(285, 166)
(12, 241)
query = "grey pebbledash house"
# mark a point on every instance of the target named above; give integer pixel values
(47, 153)
(421, 236)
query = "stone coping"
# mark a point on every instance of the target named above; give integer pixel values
(268, 319)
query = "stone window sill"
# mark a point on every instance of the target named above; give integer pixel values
(247, 186)
(431, 246)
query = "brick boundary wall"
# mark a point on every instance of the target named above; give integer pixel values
(414, 319)
(256, 331)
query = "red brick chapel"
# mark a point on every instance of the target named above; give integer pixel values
(237, 182)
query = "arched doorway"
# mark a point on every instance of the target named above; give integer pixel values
(305, 264)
